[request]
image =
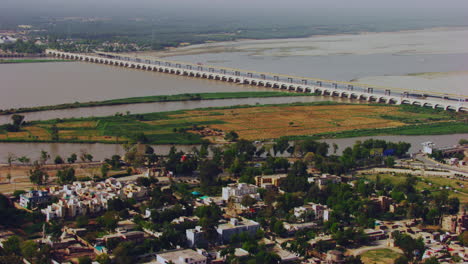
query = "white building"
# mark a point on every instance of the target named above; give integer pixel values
(239, 190)
(89, 198)
(7, 40)
(428, 147)
(33, 199)
(196, 236)
(184, 256)
(321, 212)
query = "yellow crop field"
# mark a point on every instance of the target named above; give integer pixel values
(276, 121)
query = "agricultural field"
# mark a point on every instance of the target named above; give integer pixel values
(457, 188)
(324, 119)
(380, 256)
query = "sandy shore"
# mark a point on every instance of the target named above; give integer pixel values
(449, 82)
(429, 41)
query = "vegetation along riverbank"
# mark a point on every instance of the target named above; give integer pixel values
(261, 122)
(14, 61)
(154, 99)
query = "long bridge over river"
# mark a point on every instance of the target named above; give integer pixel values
(278, 81)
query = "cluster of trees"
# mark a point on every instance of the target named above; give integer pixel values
(15, 126)
(15, 248)
(21, 46)
(66, 175)
(368, 153)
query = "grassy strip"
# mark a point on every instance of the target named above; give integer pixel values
(153, 99)
(441, 128)
(29, 61)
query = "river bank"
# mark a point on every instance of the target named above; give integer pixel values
(153, 99)
(15, 61)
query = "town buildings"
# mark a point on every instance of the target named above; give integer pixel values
(89, 198)
(196, 236)
(184, 256)
(320, 212)
(33, 199)
(238, 190)
(265, 181)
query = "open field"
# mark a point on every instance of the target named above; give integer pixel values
(324, 119)
(379, 256)
(431, 183)
(20, 178)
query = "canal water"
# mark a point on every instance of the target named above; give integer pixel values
(102, 151)
(37, 84)
(165, 106)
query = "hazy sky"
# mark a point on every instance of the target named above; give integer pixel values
(456, 4)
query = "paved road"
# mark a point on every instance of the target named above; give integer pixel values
(430, 163)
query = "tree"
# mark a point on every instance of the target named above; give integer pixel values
(11, 158)
(11, 259)
(29, 249)
(248, 201)
(67, 175)
(58, 160)
(408, 244)
(85, 260)
(231, 136)
(335, 148)
(114, 161)
(17, 120)
(85, 156)
(72, 158)
(123, 254)
(44, 157)
(82, 221)
(37, 174)
(103, 259)
(209, 218)
(389, 161)
(463, 237)
(108, 220)
(104, 170)
(89, 157)
(23, 159)
(353, 260)
(281, 145)
(135, 158)
(431, 260)
(279, 229)
(54, 133)
(143, 181)
(12, 245)
(209, 171)
(401, 260)
(9, 177)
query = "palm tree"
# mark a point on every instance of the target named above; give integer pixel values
(11, 158)
(44, 156)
